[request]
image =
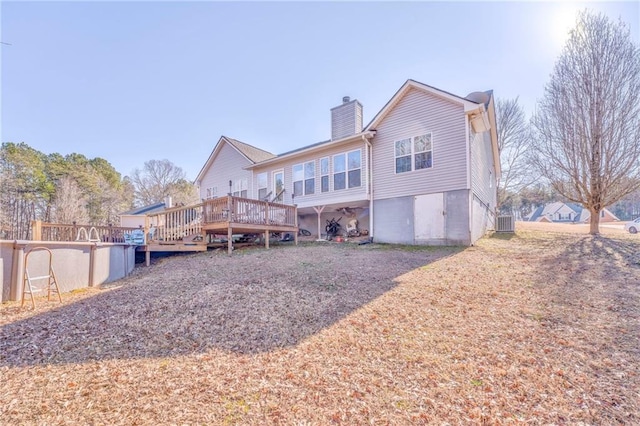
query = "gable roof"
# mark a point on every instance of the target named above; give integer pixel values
(412, 84)
(150, 208)
(253, 154)
(484, 106)
(536, 214)
(249, 152)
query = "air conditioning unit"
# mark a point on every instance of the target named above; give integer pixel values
(505, 224)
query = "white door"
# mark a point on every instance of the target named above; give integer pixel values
(278, 186)
(428, 216)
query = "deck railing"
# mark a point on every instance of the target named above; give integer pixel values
(248, 211)
(175, 224)
(43, 231)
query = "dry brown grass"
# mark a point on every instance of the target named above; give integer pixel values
(537, 328)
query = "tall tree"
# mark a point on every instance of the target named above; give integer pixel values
(588, 122)
(26, 190)
(35, 186)
(69, 204)
(514, 140)
(159, 179)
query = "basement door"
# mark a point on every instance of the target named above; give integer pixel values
(428, 217)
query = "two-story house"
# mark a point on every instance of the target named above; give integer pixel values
(423, 171)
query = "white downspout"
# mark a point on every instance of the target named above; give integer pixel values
(468, 124)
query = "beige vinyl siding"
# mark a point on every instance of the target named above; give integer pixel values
(319, 198)
(346, 120)
(418, 113)
(483, 178)
(227, 165)
(344, 124)
(483, 185)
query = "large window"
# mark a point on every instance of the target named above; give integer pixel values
(339, 172)
(309, 177)
(403, 156)
(347, 170)
(355, 169)
(212, 192)
(414, 153)
(298, 178)
(304, 178)
(324, 174)
(422, 151)
(240, 188)
(262, 186)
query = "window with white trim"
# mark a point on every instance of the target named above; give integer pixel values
(212, 192)
(278, 186)
(309, 178)
(298, 178)
(414, 153)
(354, 167)
(304, 178)
(347, 170)
(240, 188)
(422, 152)
(324, 174)
(262, 185)
(339, 172)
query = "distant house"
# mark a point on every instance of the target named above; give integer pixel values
(567, 213)
(423, 171)
(135, 218)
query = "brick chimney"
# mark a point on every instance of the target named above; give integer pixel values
(346, 119)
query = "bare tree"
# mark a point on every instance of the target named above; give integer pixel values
(69, 204)
(514, 139)
(157, 180)
(185, 193)
(588, 123)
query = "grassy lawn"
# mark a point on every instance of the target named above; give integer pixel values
(538, 327)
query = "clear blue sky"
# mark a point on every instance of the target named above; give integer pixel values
(135, 81)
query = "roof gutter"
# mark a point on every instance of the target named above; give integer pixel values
(362, 135)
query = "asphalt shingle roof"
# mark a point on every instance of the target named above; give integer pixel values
(251, 152)
(151, 208)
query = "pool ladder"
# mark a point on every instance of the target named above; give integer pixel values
(52, 281)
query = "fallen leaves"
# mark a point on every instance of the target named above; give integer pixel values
(536, 329)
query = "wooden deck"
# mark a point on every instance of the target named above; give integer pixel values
(188, 227)
(185, 228)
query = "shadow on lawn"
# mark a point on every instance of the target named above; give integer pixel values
(248, 303)
(594, 284)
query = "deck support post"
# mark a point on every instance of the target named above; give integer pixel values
(266, 239)
(147, 257)
(319, 212)
(146, 230)
(36, 230)
(295, 221)
(229, 241)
